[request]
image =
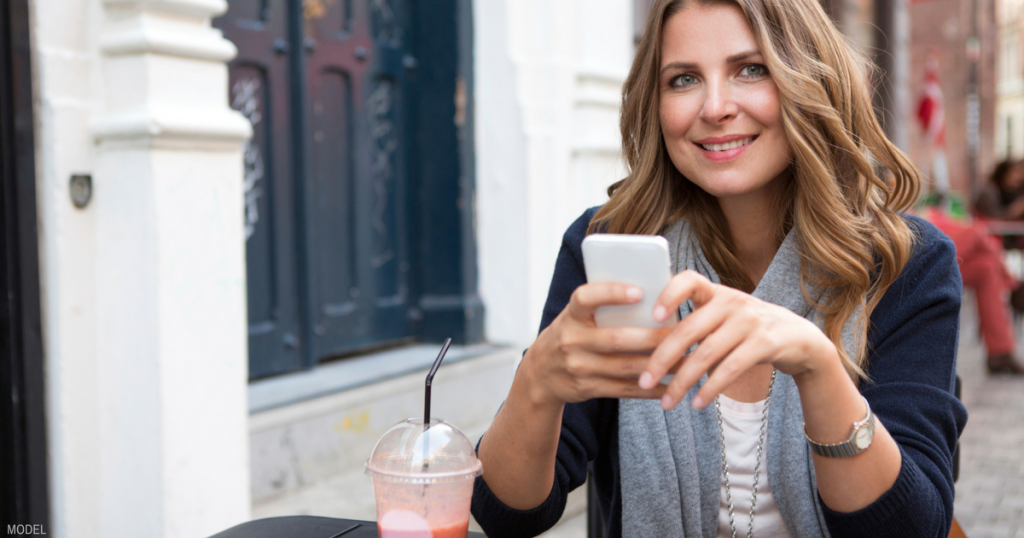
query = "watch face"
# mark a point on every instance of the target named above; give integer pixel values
(864, 435)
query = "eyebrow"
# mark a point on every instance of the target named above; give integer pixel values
(731, 60)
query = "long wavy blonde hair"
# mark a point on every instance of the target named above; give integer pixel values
(847, 182)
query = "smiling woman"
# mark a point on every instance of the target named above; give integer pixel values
(720, 114)
(818, 320)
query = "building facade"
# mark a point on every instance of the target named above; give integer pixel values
(143, 282)
(293, 202)
(960, 35)
(276, 186)
(1009, 121)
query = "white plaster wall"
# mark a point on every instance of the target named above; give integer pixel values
(143, 290)
(68, 95)
(295, 447)
(548, 76)
(502, 210)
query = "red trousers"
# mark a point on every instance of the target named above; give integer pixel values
(981, 266)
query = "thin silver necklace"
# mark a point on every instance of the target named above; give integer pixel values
(757, 460)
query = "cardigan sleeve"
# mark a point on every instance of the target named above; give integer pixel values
(585, 427)
(912, 369)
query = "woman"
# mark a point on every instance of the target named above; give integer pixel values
(825, 323)
(1001, 197)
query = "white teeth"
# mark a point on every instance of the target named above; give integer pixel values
(728, 145)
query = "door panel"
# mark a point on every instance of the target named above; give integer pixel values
(249, 96)
(359, 291)
(389, 233)
(388, 237)
(329, 209)
(249, 12)
(334, 252)
(260, 90)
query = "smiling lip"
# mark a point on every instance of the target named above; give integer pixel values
(724, 148)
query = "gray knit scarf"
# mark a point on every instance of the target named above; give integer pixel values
(671, 461)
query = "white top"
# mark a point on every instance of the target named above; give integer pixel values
(741, 423)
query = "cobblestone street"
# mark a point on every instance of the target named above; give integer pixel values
(990, 492)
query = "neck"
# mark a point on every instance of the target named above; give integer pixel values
(753, 224)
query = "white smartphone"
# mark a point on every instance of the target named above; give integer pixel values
(639, 260)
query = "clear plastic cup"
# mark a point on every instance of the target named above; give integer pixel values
(423, 480)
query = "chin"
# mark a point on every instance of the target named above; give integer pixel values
(727, 187)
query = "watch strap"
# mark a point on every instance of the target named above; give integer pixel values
(837, 450)
(848, 447)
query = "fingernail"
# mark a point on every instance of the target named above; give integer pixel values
(698, 402)
(666, 402)
(659, 313)
(646, 380)
(634, 293)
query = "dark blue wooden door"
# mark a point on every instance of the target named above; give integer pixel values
(357, 254)
(323, 84)
(260, 89)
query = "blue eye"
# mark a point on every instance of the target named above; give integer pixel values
(754, 71)
(682, 81)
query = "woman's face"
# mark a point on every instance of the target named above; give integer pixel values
(720, 113)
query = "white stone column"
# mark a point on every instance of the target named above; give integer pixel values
(170, 285)
(64, 60)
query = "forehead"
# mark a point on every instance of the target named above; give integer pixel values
(706, 33)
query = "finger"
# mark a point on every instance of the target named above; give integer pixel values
(599, 387)
(694, 328)
(738, 362)
(618, 366)
(622, 339)
(686, 285)
(588, 297)
(710, 352)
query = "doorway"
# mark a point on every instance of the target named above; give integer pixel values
(357, 177)
(24, 496)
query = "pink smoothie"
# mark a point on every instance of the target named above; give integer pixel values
(459, 530)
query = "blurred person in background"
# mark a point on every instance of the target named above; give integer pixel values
(980, 257)
(814, 361)
(1003, 196)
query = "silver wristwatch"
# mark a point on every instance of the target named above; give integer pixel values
(859, 441)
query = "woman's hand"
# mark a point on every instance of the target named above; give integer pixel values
(735, 332)
(573, 360)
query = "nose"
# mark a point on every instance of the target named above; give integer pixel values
(719, 104)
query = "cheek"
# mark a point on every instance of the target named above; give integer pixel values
(676, 119)
(676, 115)
(764, 106)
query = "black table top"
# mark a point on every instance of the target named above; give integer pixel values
(306, 527)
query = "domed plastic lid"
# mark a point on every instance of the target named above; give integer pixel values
(408, 452)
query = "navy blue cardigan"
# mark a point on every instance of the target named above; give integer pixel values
(912, 365)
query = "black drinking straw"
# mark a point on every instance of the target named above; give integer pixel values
(430, 379)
